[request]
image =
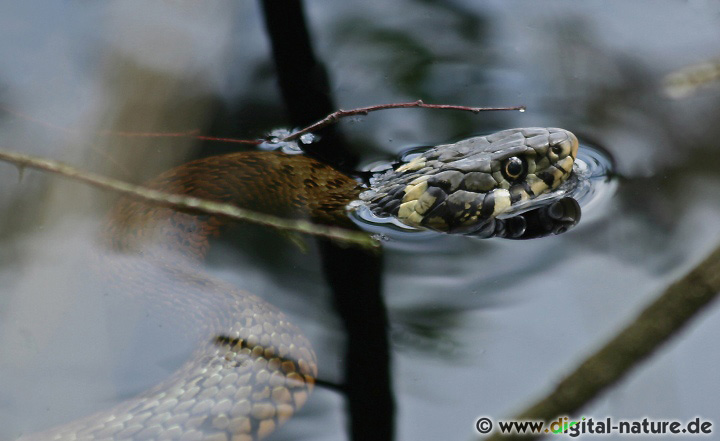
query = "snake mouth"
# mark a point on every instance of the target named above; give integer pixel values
(456, 188)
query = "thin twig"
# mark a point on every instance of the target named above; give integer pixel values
(229, 140)
(194, 133)
(186, 202)
(335, 116)
(330, 119)
(660, 321)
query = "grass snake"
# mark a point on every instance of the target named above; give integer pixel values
(252, 368)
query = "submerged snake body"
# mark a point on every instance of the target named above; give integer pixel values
(253, 368)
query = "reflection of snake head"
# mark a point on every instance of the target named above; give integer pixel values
(459, 187)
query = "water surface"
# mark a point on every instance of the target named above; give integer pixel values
(477, 327)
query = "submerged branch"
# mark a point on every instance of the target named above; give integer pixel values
(335, 116)
(186, 202)
(687, 81)
(660, 321)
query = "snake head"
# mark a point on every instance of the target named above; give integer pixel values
(460, 187)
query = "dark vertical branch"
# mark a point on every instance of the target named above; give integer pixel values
(303, 80)
(354, 275)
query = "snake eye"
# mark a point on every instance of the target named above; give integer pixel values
(557, 149)
(514, 168)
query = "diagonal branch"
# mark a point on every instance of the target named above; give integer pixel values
(660, 321)
(186, 202)
(687, 81)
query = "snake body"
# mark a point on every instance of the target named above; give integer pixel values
(253, 368)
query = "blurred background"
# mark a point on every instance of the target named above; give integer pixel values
(478, 328)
